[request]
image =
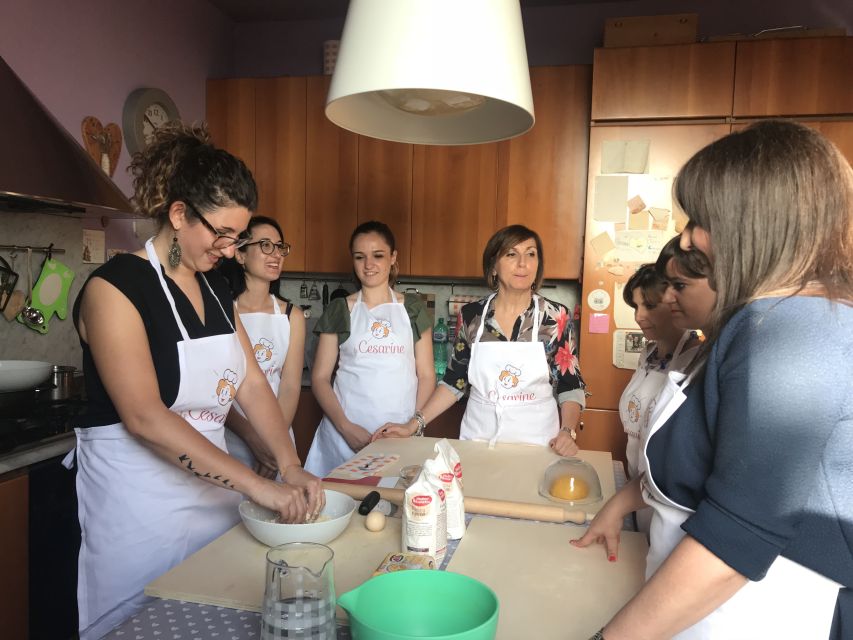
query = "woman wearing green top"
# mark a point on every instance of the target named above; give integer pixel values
(381, 342)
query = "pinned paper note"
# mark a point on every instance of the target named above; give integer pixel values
(639, 246)
(624, 156)
(611, 194)
(599, 322)
(638, 221)
(616, 270)
(627, 347)
(636, 204)
(623, 315)
(602, 243)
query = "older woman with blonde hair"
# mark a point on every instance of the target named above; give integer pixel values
(748, 469)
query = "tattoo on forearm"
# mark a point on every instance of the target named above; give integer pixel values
(187, 463)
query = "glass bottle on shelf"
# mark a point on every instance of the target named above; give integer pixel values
(439, 347)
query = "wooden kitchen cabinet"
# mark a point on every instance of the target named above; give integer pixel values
(280, 148)
(14, 554)
(385, 190)
(602, 431)
(453, 208)
(231, 117)
(331, 186)
(794, 76)
(839, 132)
(671, 81)
(542, 174)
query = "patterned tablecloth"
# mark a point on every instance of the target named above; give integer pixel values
(176, 620)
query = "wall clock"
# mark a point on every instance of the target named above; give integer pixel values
(144, 111)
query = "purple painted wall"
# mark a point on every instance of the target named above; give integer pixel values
(555, 35)
(83, 58)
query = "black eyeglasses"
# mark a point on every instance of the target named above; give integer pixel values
(221, 241)
(268, 246)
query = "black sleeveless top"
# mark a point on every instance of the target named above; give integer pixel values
(134, 277)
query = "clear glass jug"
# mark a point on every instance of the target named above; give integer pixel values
(299, 596)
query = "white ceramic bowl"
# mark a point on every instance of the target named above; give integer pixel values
(260, 522)
(18, 375)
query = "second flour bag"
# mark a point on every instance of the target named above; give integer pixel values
(425, 516)
(450, 475)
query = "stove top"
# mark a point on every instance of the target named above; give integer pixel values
(42, 421)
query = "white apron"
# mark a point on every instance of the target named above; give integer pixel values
(511, 398)
(269, 334)
(376, 381)
(638, 399)
(790, 603)
(141, 515)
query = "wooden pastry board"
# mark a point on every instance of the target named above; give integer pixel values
(547, 588)
(230, 571)
(507, 472)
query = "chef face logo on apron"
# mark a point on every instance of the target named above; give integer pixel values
(634, 409)
(226, 389)
(382, 331)
(263, 350)
(509, 376)
(508, 379)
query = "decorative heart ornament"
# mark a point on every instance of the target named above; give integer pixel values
(102, 143)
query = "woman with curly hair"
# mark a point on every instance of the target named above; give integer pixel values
(165, 356)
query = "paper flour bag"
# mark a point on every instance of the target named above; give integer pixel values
(424, 528)
(451, 480)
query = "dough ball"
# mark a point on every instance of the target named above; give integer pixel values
(375, 521)
(569, 488)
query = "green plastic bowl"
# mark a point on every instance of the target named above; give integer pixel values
(409, 605)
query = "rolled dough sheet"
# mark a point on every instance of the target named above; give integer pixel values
(547, 588)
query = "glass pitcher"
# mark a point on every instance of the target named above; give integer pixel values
(299, 596)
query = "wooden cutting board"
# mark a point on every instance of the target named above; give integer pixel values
(230, 571)
(547, 588)
(507, 472)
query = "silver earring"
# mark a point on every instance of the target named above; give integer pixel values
(174, 253)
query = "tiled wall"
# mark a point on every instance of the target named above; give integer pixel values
(60, 345)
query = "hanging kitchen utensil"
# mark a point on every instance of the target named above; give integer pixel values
(325, 295)
(340, 292)
(29, 316)
(314, 294)
(303, 291)
(50, 293)
(8, 280)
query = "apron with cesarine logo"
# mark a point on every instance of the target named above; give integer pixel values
(511, 398)
(140, 514)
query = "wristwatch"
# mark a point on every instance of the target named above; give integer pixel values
(599, 635)
(572, 433)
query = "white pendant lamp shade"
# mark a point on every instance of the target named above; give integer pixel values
(441, 72)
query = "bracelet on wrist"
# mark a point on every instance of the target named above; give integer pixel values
(419, 418)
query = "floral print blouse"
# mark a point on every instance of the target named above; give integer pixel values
(555, 330)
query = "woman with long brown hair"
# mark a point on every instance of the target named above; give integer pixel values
(748, 469)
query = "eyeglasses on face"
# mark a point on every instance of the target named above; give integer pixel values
(268, 246)
(221, 241)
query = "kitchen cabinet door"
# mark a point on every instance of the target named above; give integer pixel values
(385, 190)
(331, 185)
(14, 552)
(669, 147)
(280, 147)
(794, 76)
(231, 117)
(453, 208)
(672, 81)
(542, 174)
(602, 431)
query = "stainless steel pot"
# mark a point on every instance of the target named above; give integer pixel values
(63, 383)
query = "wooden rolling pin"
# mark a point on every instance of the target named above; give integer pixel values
(483, 506)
